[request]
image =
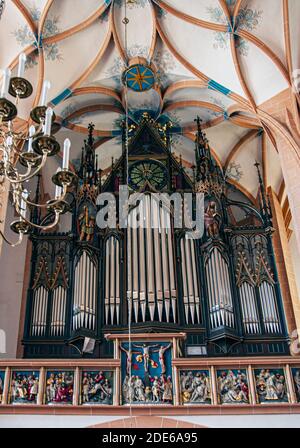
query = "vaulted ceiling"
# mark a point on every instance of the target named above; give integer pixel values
(219, 59)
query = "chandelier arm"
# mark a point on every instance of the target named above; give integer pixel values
(55, 202)
(48, 227)
(21, 179)
(9, 242)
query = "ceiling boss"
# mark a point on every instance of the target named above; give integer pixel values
(31, 150)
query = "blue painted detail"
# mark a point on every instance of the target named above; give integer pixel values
(139, 78)
(225, 115)
(115, 133)
(216, 86)
(62, 96)
(107, 2)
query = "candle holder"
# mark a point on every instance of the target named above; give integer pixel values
(58, 206)
(29, 159)
(20, 87)
(20, 226)
(38, 114)
(8, 110)
(64, 177)
(45, 144)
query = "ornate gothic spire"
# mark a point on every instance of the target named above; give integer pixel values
(209, 177)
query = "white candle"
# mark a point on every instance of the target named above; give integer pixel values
(58, 188)
(9, 140)
(23, 206)
(21, 68)
(31, 133)
(5, 82)
(67, 145)
(46, 87)
(48, 121)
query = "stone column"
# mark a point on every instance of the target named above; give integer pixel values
(76, 389)
(289, 380)
(5, 397)
(42, 378)
(252, 387)
(117, 387)
(214, 389)
(284, 265)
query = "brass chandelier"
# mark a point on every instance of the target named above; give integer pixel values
(40, 144)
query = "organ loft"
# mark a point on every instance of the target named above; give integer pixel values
(149, 213)
(220, 289)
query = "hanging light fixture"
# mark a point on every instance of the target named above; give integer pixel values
(41, 144)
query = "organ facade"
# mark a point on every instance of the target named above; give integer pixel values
(220, 288)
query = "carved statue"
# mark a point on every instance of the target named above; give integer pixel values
(59, 388)
(297, 383)
(129, 354)
(146, 354)
(195, 388)
(233, 388)
(212, 220)
(24, 388)
(271, 386)
(86, 225)
(161, 356)
(96, 388)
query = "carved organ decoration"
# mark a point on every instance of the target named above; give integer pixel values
(59, 299)
(41, 290)
(221, 289)
(245, 282)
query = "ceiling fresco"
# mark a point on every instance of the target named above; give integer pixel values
(219, 59)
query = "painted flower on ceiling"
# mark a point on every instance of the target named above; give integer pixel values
(25, 37)
(247, 19)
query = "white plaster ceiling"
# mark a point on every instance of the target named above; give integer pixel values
(80, 47)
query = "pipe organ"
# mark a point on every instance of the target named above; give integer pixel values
(151, 283)
(84, 309)
(220, 288)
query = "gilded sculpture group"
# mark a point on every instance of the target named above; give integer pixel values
(195, 387)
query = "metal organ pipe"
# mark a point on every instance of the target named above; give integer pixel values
(58, 317)
(112, 281)
(269, 307)
(150, 263)
(84, 310)
(190, 281)
(220, 297)
(39, 315)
